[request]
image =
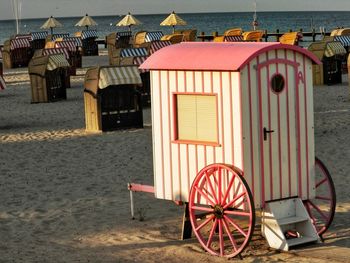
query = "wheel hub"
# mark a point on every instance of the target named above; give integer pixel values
(218, 211)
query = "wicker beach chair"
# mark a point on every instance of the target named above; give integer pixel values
(38, 40)
(173, 38)
(291, 38)
(16, 52)
(2, 81)
(48, 78)
(139, 38)
(189, 34)
(331, 54)
(233, 32)
(89, 45)
(74, 51)
(111, 98)
(253, 35)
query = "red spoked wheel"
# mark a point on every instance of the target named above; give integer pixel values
(321, 209)
(222, 211)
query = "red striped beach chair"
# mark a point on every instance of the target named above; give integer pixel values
(17, 52)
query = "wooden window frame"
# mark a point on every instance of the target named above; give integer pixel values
(175, 120)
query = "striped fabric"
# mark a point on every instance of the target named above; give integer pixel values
(28, 36)
(152, 36)
(133, 52)
(38, 35)
(69, 45)
(53, 51)
(77, 40)
(156, 45)
(88, 33)
(57, 61)
(63, 35)
(123, 34)
(138, 61)
(233, 39)
(345, 40)
(19, 43)
(334, 48)
(2, 83)
(119, 76)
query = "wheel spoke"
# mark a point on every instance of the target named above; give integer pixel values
(228, 189)
(206, 197)
(319, 211)
(210, 238)
(220, 186)
(234, 200)
(321, 182)
(202, 208)
(236, 213)
(211, 187)
(227, 229)
(235, 226)
(204, 223)
(323, 198)
(221, 238)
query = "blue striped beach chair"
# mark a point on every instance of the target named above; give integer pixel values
(133, 52)
(153, 36)
(38, 40)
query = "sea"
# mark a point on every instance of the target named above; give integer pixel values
(204, 22)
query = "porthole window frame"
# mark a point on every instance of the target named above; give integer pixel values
(271, 85)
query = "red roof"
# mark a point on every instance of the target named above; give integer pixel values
(228, 56)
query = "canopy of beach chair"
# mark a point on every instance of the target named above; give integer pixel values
(129, 20)
(86, 21)
(51, 23)
(173, 20)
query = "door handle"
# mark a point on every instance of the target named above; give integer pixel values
(266, 131)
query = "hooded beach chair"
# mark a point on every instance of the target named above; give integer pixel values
(111, 98)
(88, 38)
(48, 77)
(38, 40)
(17, 52)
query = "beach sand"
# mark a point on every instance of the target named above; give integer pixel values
(64, 194)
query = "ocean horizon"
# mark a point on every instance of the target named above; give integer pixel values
(203, 22)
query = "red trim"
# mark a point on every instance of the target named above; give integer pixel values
(306, 130)
(225, 56)
(217, 116)
(161, 130)
(268, 95)
(251, 129)
(170, 149)
(196, 147)
(231, 118)
(277, 61)
(222, 121)
(141, 188)
(298, 130)
(178, 147)
(279, 130)
(205, 147)
(288, 127)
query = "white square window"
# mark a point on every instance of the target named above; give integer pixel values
(196, 117)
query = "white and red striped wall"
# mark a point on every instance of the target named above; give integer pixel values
(280, 166)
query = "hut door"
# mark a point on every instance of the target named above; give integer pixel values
(278, 137)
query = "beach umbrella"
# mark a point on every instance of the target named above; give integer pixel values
(173, 20)
(51, 23)
(86, 21)
(129, 20)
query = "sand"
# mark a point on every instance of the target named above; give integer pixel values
(64, 194)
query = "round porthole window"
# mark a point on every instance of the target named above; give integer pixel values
(277, 83)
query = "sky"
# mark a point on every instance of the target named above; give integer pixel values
(66, 8)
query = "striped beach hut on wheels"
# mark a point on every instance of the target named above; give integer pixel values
(233, 131)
